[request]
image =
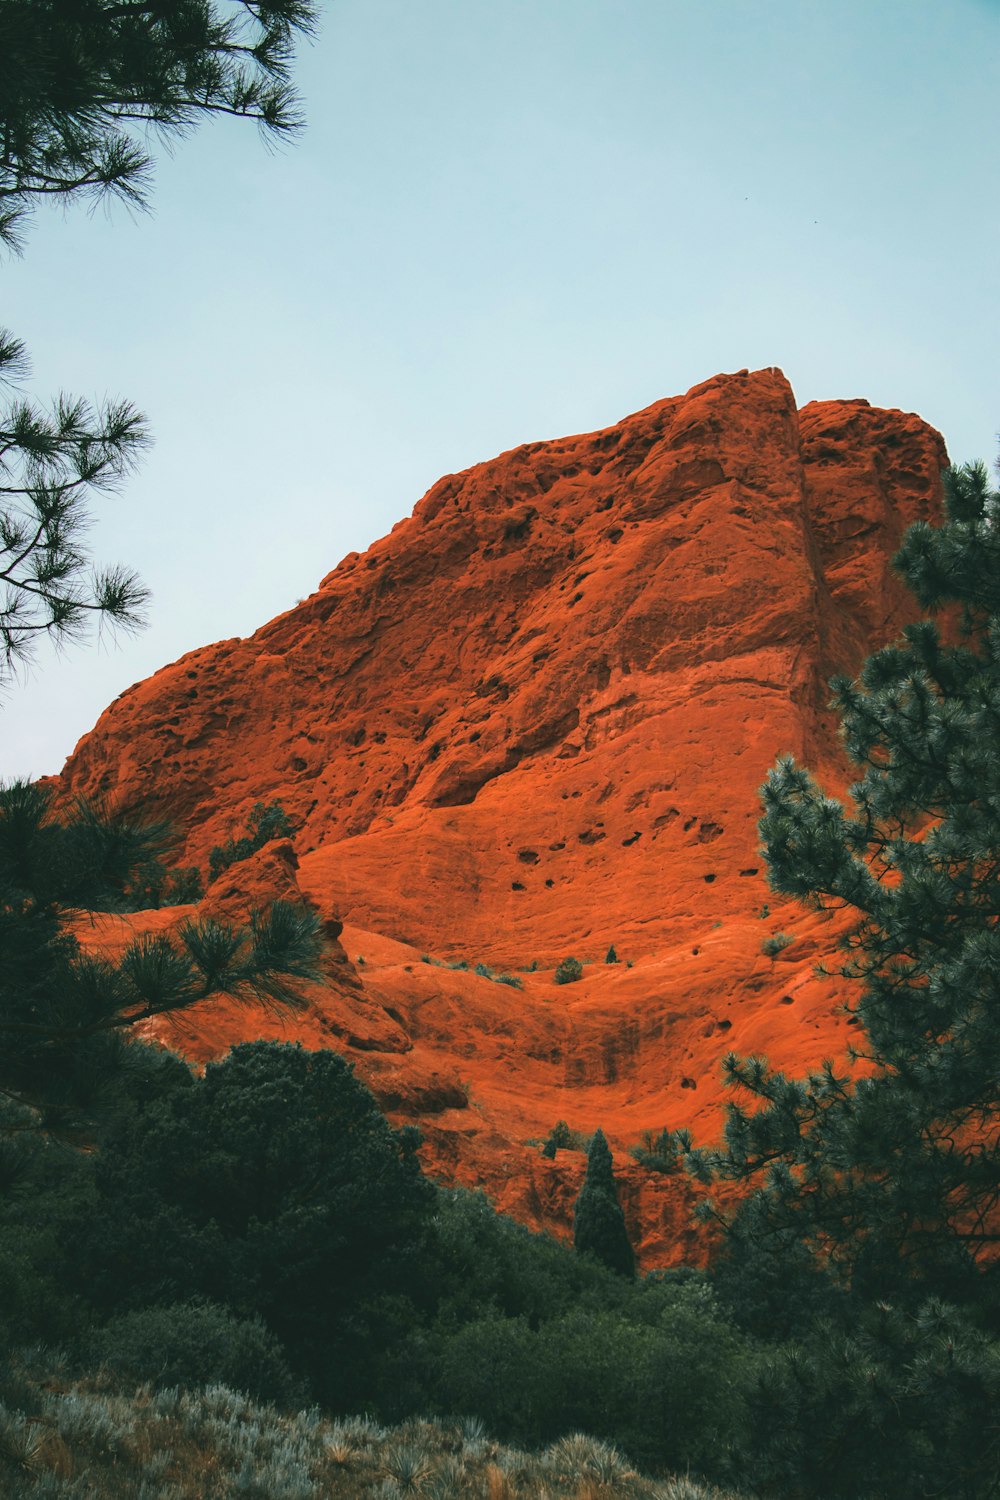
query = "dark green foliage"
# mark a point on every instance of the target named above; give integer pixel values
(598, 1222)
(153, 885)
(900, 1405)
(80, 84)
(265, 1217)
(481, 969)
(611, 957)
(560, 1136)
(51, 462)
(43, 1187)
(661, 1374)
(264, 823)
(194, 1343)
(273, 1185)
(869, 1236)
(658, 1150)
(568, 971)
(549, 1149)
(893, 1173)
(64, 1013)
(774, 1288)
(482, 1261)
(85, 856)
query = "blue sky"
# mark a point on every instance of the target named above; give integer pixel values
(505, 222)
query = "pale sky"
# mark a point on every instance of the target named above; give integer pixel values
(507, 220)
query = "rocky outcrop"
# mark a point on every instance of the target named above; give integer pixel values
(532, 722)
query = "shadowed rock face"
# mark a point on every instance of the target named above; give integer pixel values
(531, 722)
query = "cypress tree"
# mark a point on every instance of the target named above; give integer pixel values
(598, 1222)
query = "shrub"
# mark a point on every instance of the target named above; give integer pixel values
(657, 1150)
(273, 1184)
(264, 823)
(611, 957)
(195, 1343)
(569, 971)
(772, 946)
(153, 886)
(560, 1138)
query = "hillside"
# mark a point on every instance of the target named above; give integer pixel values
(531, 722)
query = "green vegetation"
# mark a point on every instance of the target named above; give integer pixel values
(657, 1150)
(482, 970)
(598, 1222)
(71, 1439)
(568, 971)
(154, 885)
(865, 1245)
(776, 943)
(264, 1227)
(560, 1138)
(264, 823)
(64, 1014)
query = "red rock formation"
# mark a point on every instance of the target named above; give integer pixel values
(531, 722)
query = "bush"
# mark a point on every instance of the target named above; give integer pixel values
(195, 1343)
(153, 886)
(569, 971)
(900, 1405)
(772, 946)
(274, 1185)
(264, 823)
(657, 1150)
(581, 1370)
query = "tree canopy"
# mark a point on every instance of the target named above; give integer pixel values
(894, 1172)
(84, 85)
(83, 82)
(51, 462)
(64, 1013)
(273, 1185)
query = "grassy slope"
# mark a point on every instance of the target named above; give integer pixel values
(81, 1442)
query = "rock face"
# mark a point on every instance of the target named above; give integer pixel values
(531, 723)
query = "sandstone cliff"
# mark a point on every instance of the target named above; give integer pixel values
(532, 722)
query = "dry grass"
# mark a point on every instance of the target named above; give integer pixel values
(80, 1442)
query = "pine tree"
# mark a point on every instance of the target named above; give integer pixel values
(64, 1015)
(892, 1171)
(885, 1175)
(598, 1222)
(82, 85)
(51, 463)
